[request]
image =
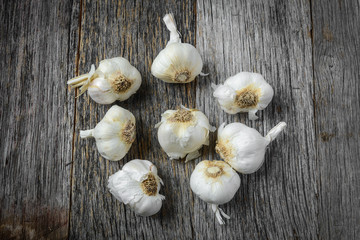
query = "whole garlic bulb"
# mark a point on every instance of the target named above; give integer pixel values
(114, 134)
(244, 92)
(216, 183)
(243, 147)
(183, 132)
(177, 62)
(138, 186)
(114, 79)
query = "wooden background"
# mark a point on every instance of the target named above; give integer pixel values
(53, 184)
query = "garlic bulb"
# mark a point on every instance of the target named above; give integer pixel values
(243, 147)
(114, 134)
(138, 186)
(183, 132)
(244, 92)
(177, 62)
(114, 79)
(216, 183)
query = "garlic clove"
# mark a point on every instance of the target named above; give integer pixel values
(243, 147)
(244, 92)
(114, 134)
(98, 91)
(138, 186)
(183, 132)
(215, 182)
(177, 62)
(114, 79)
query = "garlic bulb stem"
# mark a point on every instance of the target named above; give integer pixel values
(82, 80)
(86, 133)
(171, 26)
(218, 212)
(275, 131)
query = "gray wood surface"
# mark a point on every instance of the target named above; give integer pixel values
(37, 56)
(54, 183)
(271, 38)
(337, 107)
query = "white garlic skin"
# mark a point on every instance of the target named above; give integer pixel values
(114, 79)
(126, 186)
(214, 190)
(228, 92)
(243, 147)
(177, 62)
(175, 59)
(178, 138)
(114, 134)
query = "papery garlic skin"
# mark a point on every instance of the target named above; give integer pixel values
(216, 183)
(114, 134)
(114, 79)
(243, 147)
(183, 132)
(138, 186)
(177, 62)
(244, 92)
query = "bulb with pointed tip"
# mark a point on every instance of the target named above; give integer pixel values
(243, 147)
(244, 92)
(114, 79)
(137, 185)
(114, 134)
(183, 132)
(178, 62)
(215, 182)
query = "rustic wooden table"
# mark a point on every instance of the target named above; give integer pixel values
(53, 184)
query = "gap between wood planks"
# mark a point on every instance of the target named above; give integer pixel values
(77, 60)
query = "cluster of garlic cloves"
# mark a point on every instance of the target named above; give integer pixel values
(114, 79)
(138, 186)
(243, 147)
(183, 132)
(114, 134)
(244, 92)
(178, 62)
(216, 183)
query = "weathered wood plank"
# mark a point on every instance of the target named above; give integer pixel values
(271, 38)
(134, 30)
(36, 113)
(337, 72)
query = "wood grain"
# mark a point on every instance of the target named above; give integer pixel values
(271, 38)
(37, 51)
(54, 183)
(337, 73)
(134, 30)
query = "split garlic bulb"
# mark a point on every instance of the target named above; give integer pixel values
(183, 132)
(177, 62)
(243, 147)
(114, 134)
(216, 183)
(244, 92)
(138, 186)
(114, 79)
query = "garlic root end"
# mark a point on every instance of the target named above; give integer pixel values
(218, 212)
